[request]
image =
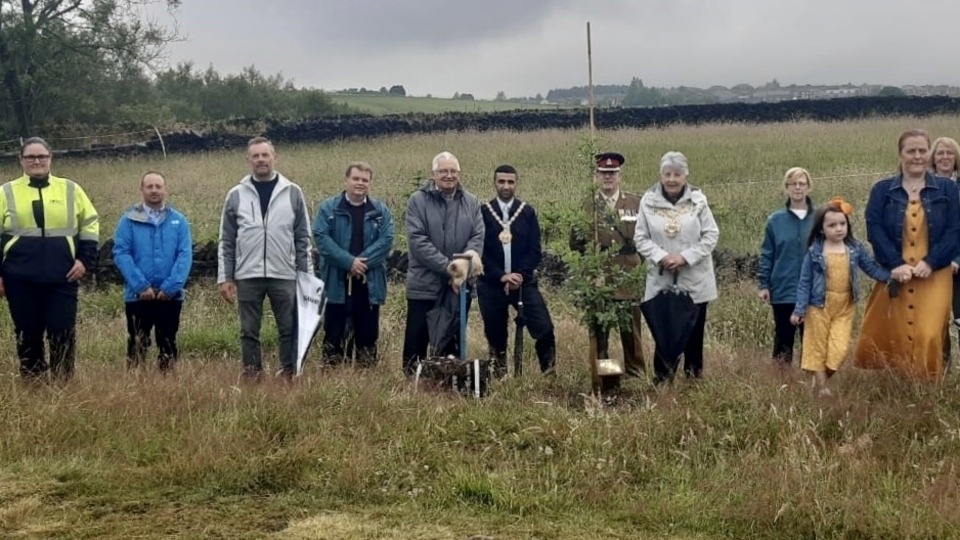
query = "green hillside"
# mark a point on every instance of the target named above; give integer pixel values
(394, 104)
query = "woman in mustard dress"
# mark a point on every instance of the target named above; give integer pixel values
(913, 227)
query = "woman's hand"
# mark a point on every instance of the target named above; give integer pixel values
(673, 261)
(77, 271)
(902, 273)
(796, 320)
(922, 270)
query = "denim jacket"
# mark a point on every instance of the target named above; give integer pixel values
(812, 288)
(886, 211)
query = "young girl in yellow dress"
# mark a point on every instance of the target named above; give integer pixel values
(828, 291)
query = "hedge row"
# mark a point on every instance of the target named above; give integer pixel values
(729, 266)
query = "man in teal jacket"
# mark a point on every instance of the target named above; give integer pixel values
(153, 249)
(781, 256)
(354, 234)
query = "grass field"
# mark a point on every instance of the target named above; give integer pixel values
(392, 104)
(745, 453)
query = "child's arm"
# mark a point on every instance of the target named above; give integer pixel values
(870, 265)
(803, 289)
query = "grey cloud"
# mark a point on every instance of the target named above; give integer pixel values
(372, 25)
(523, 48)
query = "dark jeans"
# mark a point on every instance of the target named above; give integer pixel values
(283, 302)
(163, 318)
(784, 334)
(956, 296)
(416, 336)
(38, 308)
(947, 352)
(364, 324)
(692, 353)
(494, 309)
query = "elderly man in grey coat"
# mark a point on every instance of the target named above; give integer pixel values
(442, 219)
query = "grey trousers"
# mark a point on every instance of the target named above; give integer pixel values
(283, 301)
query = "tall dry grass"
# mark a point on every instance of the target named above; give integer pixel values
(745, 453)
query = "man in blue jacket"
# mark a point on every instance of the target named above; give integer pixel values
(354, 234)
(153, 249)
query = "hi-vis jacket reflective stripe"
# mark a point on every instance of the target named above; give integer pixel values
(45, 227)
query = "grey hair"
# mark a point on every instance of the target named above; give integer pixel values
(34, 140)
(676, 161)
(444, 156)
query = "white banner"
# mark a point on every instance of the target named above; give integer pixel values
(310, 304)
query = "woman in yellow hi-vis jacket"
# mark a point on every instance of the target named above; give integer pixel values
(49, 236)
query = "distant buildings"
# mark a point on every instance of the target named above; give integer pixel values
(613, 95)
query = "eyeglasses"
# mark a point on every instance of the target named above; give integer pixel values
(798, 185)
(447, 172)
(38, 159)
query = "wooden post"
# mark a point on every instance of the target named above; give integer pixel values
(593, 128)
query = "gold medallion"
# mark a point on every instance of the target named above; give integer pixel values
(672, 228)
(505, 236)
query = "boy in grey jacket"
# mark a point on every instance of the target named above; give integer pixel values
(442, 219)
(264, 242)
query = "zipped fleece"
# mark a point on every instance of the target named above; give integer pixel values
(255, 246)
(782, 251)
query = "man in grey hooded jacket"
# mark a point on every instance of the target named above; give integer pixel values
(264, 242)
(442, 219)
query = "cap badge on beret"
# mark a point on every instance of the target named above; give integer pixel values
(609, 161)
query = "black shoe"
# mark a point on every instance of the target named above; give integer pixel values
(286, 373)
(251, 374)
(166, 363)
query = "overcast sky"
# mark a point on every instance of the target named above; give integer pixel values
(525, 47)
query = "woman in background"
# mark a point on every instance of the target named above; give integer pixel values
(945, 152)
(944, 163)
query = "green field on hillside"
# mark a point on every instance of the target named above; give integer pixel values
(392, 104)
(745, 453)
